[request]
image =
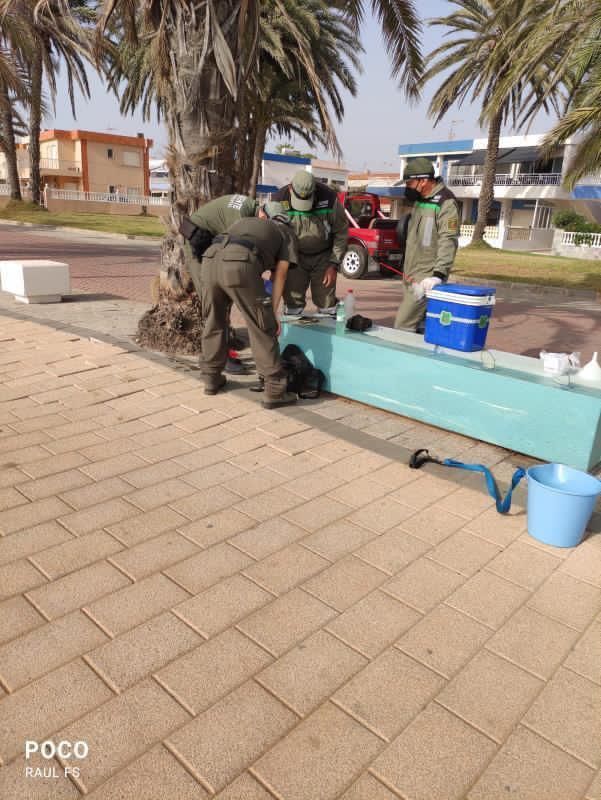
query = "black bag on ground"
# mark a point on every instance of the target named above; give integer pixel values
(303, 378)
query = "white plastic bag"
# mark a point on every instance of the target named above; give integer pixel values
(559, 363)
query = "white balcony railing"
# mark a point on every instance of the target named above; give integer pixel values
(574, 239)
(464, 180)
(4, 189)
(106, 197)
(527, 179)
(60, 165)
(490, 232)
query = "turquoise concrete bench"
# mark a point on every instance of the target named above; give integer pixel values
(497, 397)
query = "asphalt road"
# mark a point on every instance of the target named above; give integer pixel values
(100, 265)
(523, 322)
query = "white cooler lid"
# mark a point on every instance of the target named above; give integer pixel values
(461, 299)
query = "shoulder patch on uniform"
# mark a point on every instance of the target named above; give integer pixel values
(323, 204)
(453, 225)
(436, 198)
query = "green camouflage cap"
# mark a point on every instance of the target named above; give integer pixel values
(276, 211)
(418, 168)
(302, 189)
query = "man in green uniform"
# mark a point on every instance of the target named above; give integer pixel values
(231, 272)
(432, 238)
(210, 220)
(213, 218)
(320, 224)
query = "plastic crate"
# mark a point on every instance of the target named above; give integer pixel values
(458, 316)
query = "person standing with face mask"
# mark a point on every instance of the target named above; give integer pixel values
(432, 240)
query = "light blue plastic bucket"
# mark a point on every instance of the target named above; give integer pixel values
(560, 503)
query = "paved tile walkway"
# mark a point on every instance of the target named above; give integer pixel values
(222, 601)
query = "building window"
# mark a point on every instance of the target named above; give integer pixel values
(112, 189)
(109, 153)
(131, 158)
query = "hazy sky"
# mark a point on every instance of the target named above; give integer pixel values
(375, 123)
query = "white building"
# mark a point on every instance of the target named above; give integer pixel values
(159, 178)
(333, 173)
(277, 169)
(528, 190)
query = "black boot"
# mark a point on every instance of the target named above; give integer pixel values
(214, 383)
(277, 401)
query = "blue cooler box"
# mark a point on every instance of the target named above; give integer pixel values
(457, 316)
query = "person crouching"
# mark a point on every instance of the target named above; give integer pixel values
(231, 271)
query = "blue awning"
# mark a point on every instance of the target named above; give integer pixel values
(266, 188)
(286, 159)
(587, 193)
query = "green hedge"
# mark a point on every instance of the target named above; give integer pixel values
(569, 220)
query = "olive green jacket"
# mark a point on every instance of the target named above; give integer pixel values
(432, 235)
(322, 232)
(217, 215)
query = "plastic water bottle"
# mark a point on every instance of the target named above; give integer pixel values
(349, 304)
(340, 316)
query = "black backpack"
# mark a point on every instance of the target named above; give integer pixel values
(303, 378)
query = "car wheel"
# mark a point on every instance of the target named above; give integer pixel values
(354, 263)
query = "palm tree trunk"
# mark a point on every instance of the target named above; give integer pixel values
(487, 190)
(8, 144)
(257, 159)
(202, 162)
(35, 124)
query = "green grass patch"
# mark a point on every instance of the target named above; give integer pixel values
(136, 225)
(505, 265)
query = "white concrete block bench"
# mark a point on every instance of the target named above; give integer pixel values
(35, 281)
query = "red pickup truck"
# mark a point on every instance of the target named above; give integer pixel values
(373, 244)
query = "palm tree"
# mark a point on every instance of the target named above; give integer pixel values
(200, 54)
(14, 89)
(583, 114)
(486, 36)
(11, 126)
(60, 40)
(296, 87)
(571, 30)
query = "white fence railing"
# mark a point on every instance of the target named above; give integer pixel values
(106, 197)
(594, 178)
(574, 239)
(4, 189)
(490, 232)
(530, 179)
(533, 179)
